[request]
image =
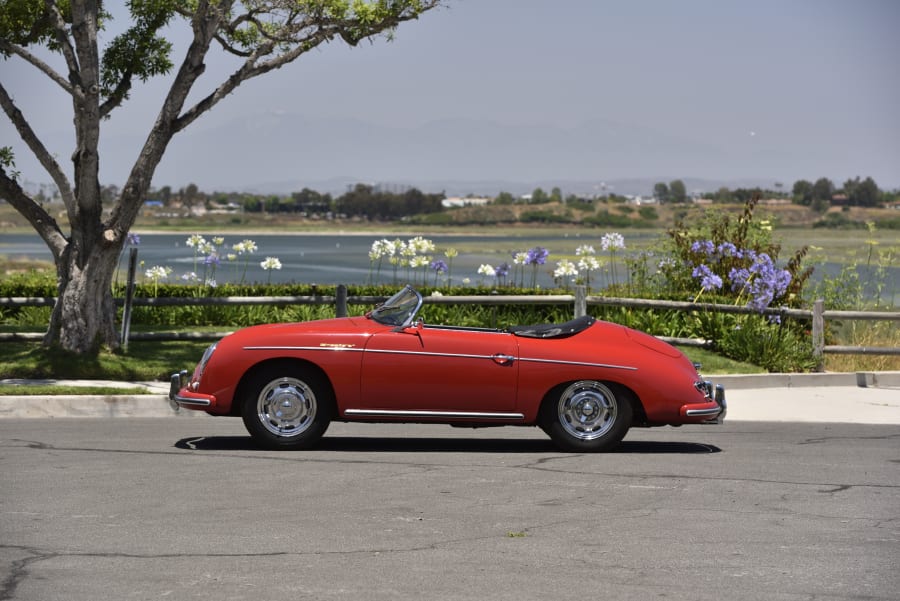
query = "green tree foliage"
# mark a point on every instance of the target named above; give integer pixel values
(310, 201)
(661, 192)
(504, 198)
(677, 191)
(539, 197)
(862, 193)
(802, 193)
(556, 195)
(365, 201)
(264, 34)
(822, 192)
(741, 195)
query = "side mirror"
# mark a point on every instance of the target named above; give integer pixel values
(415, 328)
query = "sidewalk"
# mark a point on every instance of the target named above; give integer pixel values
(864, 398)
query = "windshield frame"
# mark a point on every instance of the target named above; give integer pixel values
(399, 310)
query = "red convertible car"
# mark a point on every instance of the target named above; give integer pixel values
(584, 382)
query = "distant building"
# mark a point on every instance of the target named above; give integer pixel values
(456, 201)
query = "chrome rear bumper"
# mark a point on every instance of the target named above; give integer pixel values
(716, 414)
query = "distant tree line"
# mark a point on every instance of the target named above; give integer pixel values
(377, 204)
(360, 201)
(818, 195)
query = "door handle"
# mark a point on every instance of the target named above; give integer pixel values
(501, 359)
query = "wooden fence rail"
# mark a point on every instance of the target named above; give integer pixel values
(579, 301)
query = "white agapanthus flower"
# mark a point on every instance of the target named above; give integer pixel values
(588, 264)
(381, 248)
(419, 261)
(585, 250)
(196, 241)
(487, 270)
(565, 268)
(157, 273)
(206, 248)
(270, 263)
(245, 247)
(421, 245)
(612, 241)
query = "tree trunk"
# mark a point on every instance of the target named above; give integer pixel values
(84, 317)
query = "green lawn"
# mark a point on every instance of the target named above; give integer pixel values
(144, 361)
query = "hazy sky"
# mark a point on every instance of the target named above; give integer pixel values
(777, 89)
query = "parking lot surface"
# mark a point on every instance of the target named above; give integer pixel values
(162, 508)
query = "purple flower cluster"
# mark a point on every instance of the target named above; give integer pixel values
(708, 280)
(439, 266)
(751, 273)
(725, 249)
(762, 280)
(537, 256)
(503, 270)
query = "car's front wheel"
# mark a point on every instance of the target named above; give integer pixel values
(586, 416)
(287, 408)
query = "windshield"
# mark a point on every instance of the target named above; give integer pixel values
(399, 310)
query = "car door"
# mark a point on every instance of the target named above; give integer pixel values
(428, 368)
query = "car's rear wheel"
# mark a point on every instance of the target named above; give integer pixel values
(586, 416)
(287, 407)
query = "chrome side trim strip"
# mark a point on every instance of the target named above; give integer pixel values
(363, 350)
(431, 414)
(303, 348)
(427, 354)
(582, 363)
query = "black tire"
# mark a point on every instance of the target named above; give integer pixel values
(586, 416)
(287, 407)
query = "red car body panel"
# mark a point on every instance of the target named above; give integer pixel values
(377, 367)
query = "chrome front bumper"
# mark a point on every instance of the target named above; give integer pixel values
(177, 399)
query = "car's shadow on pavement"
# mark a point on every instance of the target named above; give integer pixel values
(357, 444)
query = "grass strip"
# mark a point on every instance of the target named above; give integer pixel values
(60, 389)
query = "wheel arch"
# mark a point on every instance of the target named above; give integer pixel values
(639, 415)
(287, 364)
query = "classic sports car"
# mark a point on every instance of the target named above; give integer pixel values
(584, 382)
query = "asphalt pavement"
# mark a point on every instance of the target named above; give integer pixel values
(861, 398)
(183, 509)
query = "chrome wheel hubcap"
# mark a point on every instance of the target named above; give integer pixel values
(587, 410)
(286, 407)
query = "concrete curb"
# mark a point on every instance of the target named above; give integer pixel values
(157, 404)
(881, 379)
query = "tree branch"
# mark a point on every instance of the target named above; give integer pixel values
(205, 22)
(41, 66)
(40, 220)
(68, 51)
(117, 97)
(37, 147)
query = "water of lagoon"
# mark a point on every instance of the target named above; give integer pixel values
(343, 259)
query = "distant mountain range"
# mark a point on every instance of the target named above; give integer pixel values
(280, 152)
